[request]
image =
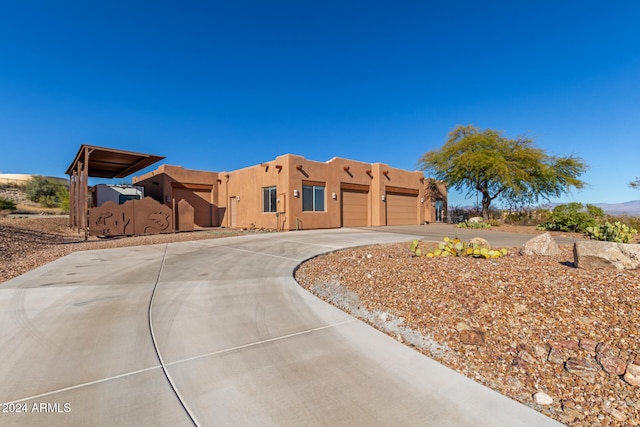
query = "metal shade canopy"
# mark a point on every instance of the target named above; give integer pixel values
(111, 163)
(98, 162)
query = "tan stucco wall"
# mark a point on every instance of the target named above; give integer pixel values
(162, 183)
(242, 190)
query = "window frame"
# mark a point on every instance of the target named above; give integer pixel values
(270, 199)
(315, 188)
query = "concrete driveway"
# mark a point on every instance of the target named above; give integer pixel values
(212, 333)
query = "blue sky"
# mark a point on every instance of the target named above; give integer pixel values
(219, 85)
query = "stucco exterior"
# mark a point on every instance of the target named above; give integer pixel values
(345, 193)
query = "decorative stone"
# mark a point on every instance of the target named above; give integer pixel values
(526, 356)
(612, 364)
(472, 337)
(541, 245)
(518, 362)
(475, 219)
(584, 368)
(461, 326)
(588, 345)
(479, 242)
(616, 413)
(541, 351)
(596, 255)
(564, 345)
(542, 398)
(605, 348)
(632, 376)
(556, 356)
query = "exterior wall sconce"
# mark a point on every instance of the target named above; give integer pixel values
(237, 198)
(334, 196)
(384, 198)
(296, 193)
(421, 199)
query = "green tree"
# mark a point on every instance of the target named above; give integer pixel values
(635, 184)
(486, 162)
(48, 193)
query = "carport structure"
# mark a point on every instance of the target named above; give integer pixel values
(99, 162)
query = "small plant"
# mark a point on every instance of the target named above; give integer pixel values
(455, 247)
(449, 248)
(415, 249)
(478, 225)
(7, 205)
(616, 232)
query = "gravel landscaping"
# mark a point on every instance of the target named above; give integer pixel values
(533, 328)
(556, 338)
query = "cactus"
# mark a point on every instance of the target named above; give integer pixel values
(455, 247)
(616, 232)
(415, 249)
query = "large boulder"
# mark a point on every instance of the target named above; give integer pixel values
(479, 242)
(596, 255)
(541, 245)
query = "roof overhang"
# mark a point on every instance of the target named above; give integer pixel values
(111, 163)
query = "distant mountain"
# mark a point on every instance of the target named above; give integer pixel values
(631, 208)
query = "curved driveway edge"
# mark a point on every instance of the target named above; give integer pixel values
(241, 342)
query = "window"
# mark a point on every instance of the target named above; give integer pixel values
(269, 199)
(313, 198)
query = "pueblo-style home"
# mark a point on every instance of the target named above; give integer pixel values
(292, 193)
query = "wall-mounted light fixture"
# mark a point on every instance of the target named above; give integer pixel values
(296, 193)
(237, 198)
(421, 199)
(334, 196)
(384, 198)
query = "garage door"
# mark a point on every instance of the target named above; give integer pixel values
(402, 209)
(200, 201)
(355, 207)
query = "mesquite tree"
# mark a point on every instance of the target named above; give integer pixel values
(498, 167)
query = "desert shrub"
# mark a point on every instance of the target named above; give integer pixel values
(573, 217)
(46, 192)
(616, 232)
(7, 205)
(475, 225)
(495, 222)
(526, 217)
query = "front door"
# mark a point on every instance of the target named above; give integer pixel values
(439, 205)
(233, 214)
